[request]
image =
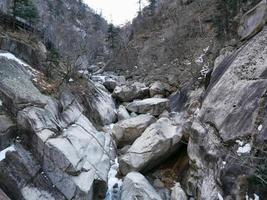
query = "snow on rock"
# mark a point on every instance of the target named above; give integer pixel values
(260, 127)
(200, 59)
(11, 56)
(256, 197)
(1, 103)
(206, 49)
(244, 149)
(204, 71)
(3, 152)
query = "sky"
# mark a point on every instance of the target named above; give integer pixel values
(116, 11)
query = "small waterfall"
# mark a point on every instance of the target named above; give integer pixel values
(114, 184)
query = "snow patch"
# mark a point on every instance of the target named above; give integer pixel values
(244, 149)
(11, 56)
(1, 103)
(206, 49)
(200, 59)
(3, 152)
(260, 127)
(204, 71)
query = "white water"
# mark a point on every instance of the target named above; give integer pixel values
(3, 152)
(114, 184)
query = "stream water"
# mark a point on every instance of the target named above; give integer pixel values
(114, 184)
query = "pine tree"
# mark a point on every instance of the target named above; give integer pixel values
(24, 9)
(113, 36)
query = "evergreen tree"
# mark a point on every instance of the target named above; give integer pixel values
(113, 36)
(24, 9)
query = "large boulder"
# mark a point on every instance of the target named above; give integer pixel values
(129, 93)
(159, 88)
(230, 124)
(253, 21)
(157, 142)
(110, 81)
(20, 173)
(178, 193)
(127, 131)
(16, 88)
(99, 105)
(136, 186)
(153, 106)
(74, 154)
(236, 89)
(122, 113)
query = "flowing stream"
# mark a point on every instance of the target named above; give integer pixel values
(114, 184)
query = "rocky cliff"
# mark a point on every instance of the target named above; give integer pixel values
(98, 135)
(70, 28)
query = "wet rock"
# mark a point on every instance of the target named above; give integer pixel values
(178, 193)
(135, 186)
(122, 113)
(129, 93)
(157, 142)
(128, 130)
(153, 106)
(253, 21)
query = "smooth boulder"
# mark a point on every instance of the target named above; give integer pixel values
(136, 186)
(178, 193)
(99, 105)
(127, 131)
(74, 154)
(253, 21)
(127, 93)
(157, 142)
(153, 106)
(122, 113)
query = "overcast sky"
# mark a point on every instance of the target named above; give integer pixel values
(116, 11)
